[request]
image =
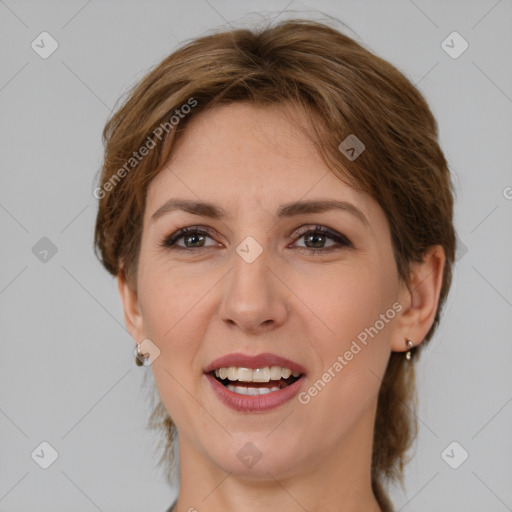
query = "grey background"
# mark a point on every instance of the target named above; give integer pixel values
(67, 374)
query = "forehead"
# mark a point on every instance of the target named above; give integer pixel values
(245, 156)
(245, 142)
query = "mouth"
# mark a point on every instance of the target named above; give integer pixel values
(253, 382)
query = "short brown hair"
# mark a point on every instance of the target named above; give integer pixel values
(341, 88)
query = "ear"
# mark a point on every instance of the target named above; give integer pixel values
(129, 299)
(420, 299)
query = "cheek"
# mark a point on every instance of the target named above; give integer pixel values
(170, 306)
(356, 307)
(349, 301)
(168, 299)
(175, 321)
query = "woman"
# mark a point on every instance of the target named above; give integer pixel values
(278, 213)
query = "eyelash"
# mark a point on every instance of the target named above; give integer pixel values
(343, 242)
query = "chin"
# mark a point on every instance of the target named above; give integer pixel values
(258, 456)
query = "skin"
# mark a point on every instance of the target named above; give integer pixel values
(197, 306)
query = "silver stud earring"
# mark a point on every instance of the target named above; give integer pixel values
(408, 354)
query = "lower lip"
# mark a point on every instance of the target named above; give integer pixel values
(254, 403)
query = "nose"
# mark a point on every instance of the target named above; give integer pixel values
(254, 299)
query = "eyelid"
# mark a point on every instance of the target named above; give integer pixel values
(324, 230)
(170, 240)
(339, 238)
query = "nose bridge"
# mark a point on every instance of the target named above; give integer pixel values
(253, 297)
(250, 268)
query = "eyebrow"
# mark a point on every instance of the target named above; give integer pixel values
(213, 211)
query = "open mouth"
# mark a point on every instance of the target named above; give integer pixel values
(259, 381)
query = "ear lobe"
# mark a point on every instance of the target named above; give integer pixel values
(420, 299)
(129, 298)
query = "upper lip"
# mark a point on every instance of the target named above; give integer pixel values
(253, 362)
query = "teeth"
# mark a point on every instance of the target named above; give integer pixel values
(261, 374)
(242, 390)
(285, 373)
(275, 372)
(265, 374)
(244, 374)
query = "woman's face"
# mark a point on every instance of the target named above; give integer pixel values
(252, 283)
